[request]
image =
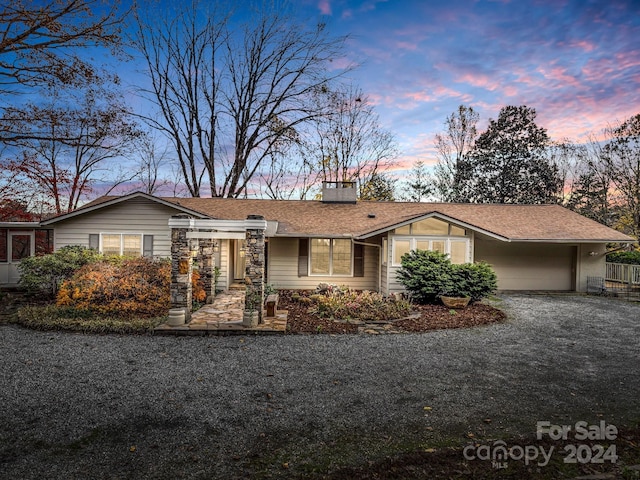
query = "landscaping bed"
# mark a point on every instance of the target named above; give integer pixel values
(302, 318)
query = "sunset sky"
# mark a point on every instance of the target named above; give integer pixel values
(576, 62)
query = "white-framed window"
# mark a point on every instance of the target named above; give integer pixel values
(456, 248)
(330, 256)
(433, 227)
(127, 244)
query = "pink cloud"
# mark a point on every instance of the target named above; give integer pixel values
(478, 80)
(559, 75)
(407, 46)
(325, 7)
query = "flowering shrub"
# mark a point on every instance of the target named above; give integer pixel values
(364, 306)
(132, 287)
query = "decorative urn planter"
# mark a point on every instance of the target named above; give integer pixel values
(177, 317)
(250, 318)
(455, 302)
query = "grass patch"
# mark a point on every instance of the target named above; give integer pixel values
(361, 457)
(52, 317)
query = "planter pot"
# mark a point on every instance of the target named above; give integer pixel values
(455, 302)
(250, 319)
(177, 317)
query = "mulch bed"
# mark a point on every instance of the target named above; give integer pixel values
(431, 317)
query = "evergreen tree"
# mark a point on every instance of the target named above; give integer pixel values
(509, 162)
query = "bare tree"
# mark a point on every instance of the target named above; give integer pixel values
(220, 89)
(153, 157)
(183, 57)
(347, 143)
(42, 43)
(282, 177)
(569, 160)
(621, 155)
(452, 145)
(590, 192)
(85, 140)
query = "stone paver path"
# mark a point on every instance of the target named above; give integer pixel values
(224, 316)
(227, 308)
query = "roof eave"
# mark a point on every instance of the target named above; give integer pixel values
(117, 200)
(447, 218)
(19, 224)
(571, 240)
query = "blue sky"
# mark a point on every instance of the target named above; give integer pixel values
(576, 62)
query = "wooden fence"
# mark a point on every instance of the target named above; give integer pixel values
(623, 273)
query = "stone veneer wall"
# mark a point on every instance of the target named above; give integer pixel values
(206, 263)
(181, 270)
(254, 269)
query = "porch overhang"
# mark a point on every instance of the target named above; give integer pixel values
(218, 225)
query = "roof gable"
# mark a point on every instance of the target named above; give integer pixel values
(108, 201)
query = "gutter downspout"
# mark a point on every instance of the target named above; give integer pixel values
(379, 247)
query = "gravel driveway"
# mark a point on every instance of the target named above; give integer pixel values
(89, 406)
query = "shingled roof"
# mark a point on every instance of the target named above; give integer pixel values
(303, 218)
(363, 219)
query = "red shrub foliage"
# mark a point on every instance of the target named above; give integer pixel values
(132, 287)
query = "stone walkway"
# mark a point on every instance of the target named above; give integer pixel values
(224, 316)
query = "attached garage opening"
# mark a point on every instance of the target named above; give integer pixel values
(530, 266)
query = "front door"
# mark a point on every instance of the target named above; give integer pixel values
(239, 260)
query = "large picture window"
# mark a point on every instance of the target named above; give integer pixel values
(457, 249)
(330, 256)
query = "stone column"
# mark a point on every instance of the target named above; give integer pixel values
(254, 269)
(181, 270)
(206, 263)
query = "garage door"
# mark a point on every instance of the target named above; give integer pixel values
(529, 266)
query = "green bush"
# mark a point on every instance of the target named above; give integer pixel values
(43, 275)
(630, 258)
(475, 280)
(428, 275)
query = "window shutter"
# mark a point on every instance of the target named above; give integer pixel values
(303, 257)
(147, 246)
(94, 241)
(358, 260)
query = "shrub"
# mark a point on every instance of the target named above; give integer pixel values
(44, 274)
(132, 287)
(475, 280)
(52, 317)
(429, 275)
(630, 258)
(425, 275)
(363, 306)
